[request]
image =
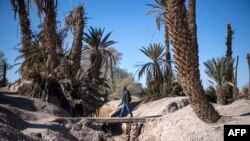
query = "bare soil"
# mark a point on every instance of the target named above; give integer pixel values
(171, 119)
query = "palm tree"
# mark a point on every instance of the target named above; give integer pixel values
(248, 60)
(48, 7)
(97, 46)
(186, 58)
(229, 52)
(36, 58)
(235, 87)
(3, 69)
(21, 7)
(217, 69)
(161, 9)
(153, 69)
(191, 18)
(76, 19)
(229, 38)
(108, 73)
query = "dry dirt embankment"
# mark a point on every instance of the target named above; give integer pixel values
(175, 120)
(23, 118)
(184, 125)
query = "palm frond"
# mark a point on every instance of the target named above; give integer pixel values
(217, 69)
(155, 52)
(159, 9)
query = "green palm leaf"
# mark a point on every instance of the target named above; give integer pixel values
(97, 46)
(155, 52)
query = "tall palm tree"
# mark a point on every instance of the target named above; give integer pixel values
(76, 19)
(48, 7)
(153, 69)
(97, 46)
(36, 58)
(20, 6)
(3, 81)
(3, 69)
(248, 60)
(229, 52)
(161, 9)
(191, 17)
(186, 58)
(217, 69)
(235, 82)
(108, 73)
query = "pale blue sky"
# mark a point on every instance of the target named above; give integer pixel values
(132, 29)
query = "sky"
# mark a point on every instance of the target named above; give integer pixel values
(132, 29)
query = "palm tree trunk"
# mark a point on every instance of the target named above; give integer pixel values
(96, 64)
(248, 60)
(191, 17)
(49, 27)
(168, 54)
(235, 87)
(4, 79)
(183, 32)
(229, 52)
(157, 77)
(76, 51)
(220, 95)
(26, 34)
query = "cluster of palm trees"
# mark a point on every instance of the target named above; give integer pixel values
(48, 70)
(160, 81)
(160, 78)
(180, 25)
(223, 73)
(56, 72)
(160, 8)
(216, 69)
(180, 28)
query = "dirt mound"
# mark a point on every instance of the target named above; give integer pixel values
(160, 107)
(23, 118)
(184, 125)
(109, 108)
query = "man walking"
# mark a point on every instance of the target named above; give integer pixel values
(125, 102)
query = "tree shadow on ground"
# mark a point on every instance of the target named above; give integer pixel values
(19, 102)
(12, 119)
(246, 114)
(54, 127)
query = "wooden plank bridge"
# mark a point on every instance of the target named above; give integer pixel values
(108, 119)
(115, 119)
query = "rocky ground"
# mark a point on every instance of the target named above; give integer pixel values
(174, 119)
(23, 118)
(183, 124)
(171, 119)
